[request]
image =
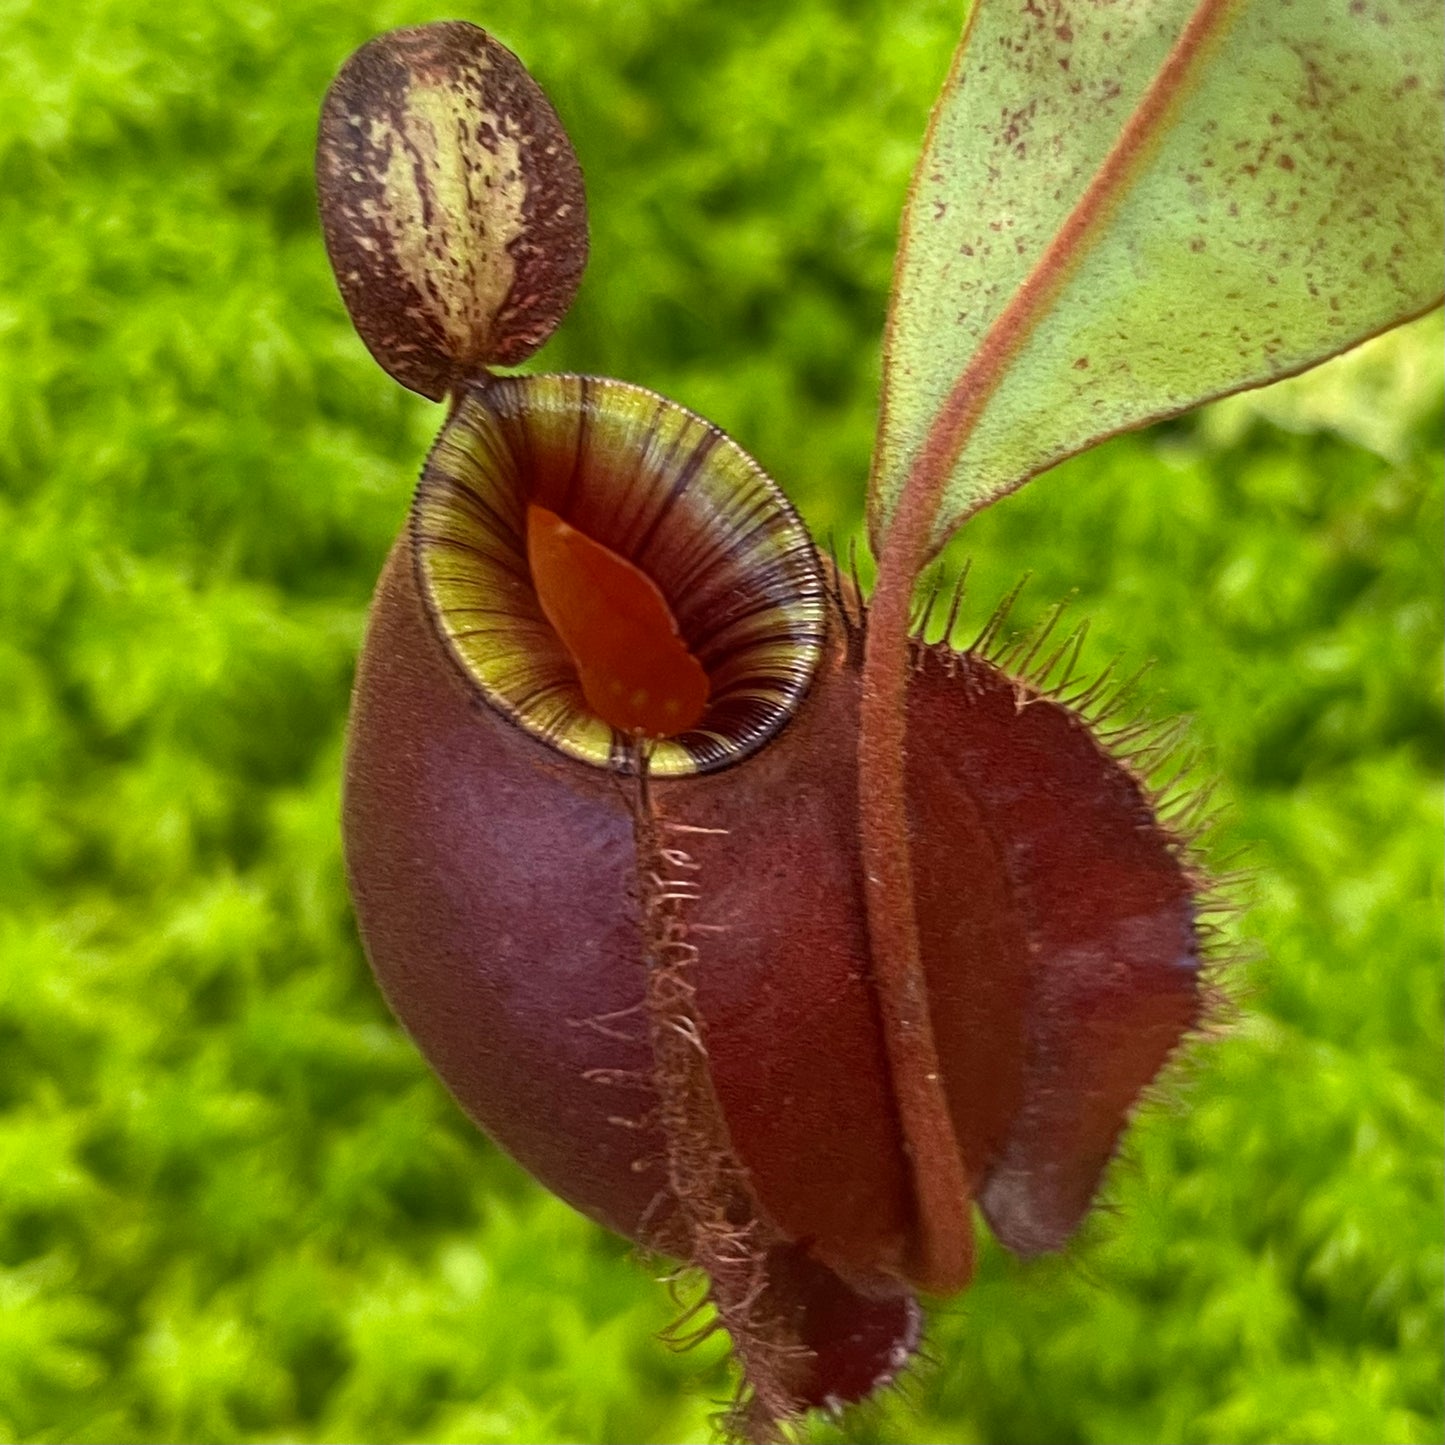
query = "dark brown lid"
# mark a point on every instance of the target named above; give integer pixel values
(452, 203)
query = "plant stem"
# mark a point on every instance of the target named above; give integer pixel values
(943, 1190)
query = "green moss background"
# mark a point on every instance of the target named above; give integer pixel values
(234, 1206)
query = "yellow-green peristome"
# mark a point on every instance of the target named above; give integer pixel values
(660, 487)
(452, 202)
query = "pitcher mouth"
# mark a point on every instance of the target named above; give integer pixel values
(579, 540)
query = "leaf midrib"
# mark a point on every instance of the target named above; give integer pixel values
(1033, 299)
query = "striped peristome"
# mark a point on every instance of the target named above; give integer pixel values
(662, 488)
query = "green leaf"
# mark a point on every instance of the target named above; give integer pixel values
(1124, 210)
(452, 202)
